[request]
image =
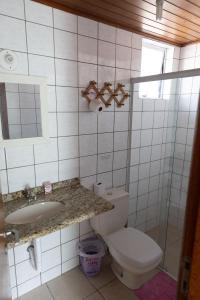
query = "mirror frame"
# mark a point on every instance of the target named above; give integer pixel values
(35, 80)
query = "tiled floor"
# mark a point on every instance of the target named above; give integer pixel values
(74, 285)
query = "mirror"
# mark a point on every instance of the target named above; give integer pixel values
(22, 107)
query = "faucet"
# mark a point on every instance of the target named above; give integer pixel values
(29, 194)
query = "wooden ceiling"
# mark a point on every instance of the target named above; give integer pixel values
(180, 24)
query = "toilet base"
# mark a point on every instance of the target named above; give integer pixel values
(129, 279)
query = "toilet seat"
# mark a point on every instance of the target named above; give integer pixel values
(134, 250)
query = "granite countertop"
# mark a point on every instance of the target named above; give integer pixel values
(79, 204)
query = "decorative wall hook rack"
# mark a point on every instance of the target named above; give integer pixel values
(118, 94)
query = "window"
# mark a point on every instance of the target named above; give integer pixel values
(153, 62)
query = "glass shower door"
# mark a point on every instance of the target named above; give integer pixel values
(162, 130)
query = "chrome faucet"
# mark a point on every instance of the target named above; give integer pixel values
(29, 194)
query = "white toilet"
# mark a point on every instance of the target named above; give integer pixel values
(135, 255)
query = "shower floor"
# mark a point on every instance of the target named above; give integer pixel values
(173, 248)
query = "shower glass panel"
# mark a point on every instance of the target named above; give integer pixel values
(162, 126)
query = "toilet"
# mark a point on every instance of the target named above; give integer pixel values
(134, 254)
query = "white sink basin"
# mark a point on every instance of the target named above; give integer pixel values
(33, 213)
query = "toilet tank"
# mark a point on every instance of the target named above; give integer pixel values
(114, 219)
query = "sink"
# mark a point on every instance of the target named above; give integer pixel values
(34, 213)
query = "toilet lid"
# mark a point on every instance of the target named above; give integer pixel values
(135, 247)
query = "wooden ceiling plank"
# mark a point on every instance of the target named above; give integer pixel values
(103, 7)
(183, 14)
(195, 2)
(186, 6)
(151, 16)
(164, 25)
(166, 15)
(95, 16)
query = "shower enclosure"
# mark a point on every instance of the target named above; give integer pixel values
(163, 111)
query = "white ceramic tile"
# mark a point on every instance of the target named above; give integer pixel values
(134, 173)
(135, 138)
(65, 44)
(146, 137)
(51, 258)
(66, 72)
(123, 57)
(181, 135)
(120, 140)
(14, 293)
(68, 147)
(86, 72)
(155, 168)
(158, 119)
(70, 264)
(12, 277)
(135, 156)
(12, 35)
(157, 136)
(105, 178)
(29, 285)
(137, 120)
(42, 66)
(38, 13)
(40, 39)
(18, 178)
(144, 170)
(88, 165)
(87, 27)
(46, 152)
(3, 182)
(68, 169)
(69, 250)
(69, 233)
(51, 274)
(182, 120)
(10, 257)
(88, 144)
(147, 120)
(121, 121)
(21, 253)
(25, 271)
(52, 125)
(107, 33)
(145, 154)
(87, 123)
(67, 124)
(12, 8)
(87, 49)
(89, 182)
(119, 177)
(105, 122)
(188, 51)
(136, 41)
(46, 172)
(136, 59)
(50, 241)
(106, 74)
(19, 156)
(67, 99)
(64, 20)
(105, 142)
(106, 54)
(124, 37)
(105, 162)
(120, 159)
